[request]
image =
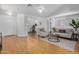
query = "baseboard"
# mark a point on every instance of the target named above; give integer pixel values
(8, 35)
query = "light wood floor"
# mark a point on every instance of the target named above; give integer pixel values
(32, 45)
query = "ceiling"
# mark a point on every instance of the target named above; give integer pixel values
(48, 9)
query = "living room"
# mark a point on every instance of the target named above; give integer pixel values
(39, 28)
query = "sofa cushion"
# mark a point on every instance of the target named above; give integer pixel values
(69, 30)
(62, 31)
(64, 35)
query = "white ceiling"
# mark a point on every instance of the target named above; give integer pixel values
(66, 8)
(49, 9)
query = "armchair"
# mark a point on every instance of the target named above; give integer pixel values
(42, 32)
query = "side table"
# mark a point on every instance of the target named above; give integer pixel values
(75, 36)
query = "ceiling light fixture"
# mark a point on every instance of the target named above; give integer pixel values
(9, 13)
(41, 9)
(29, 5)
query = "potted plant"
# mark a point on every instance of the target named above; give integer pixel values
(75, 24)
(54, 29)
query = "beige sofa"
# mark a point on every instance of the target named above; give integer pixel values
(64, 32)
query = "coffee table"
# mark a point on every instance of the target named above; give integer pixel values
(54, 37)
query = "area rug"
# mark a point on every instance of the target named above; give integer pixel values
(64, 43)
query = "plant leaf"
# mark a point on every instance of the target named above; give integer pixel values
(72, 25)
(74, 22)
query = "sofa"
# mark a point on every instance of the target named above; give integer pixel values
(63, 32)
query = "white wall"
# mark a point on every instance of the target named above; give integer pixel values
(7, 25)
(15, 25)
(20, 25)
(32, 20)
(64, 21)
